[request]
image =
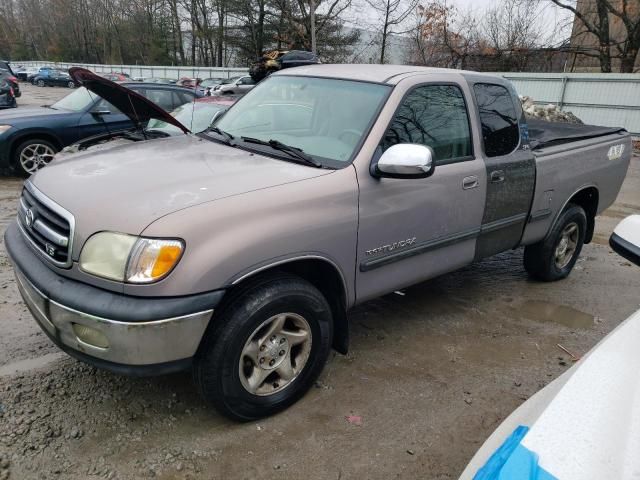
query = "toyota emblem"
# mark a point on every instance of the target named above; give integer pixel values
(29, 217)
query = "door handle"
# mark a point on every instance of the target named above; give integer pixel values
(497, 176)
(469, 182)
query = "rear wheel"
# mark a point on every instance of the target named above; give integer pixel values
(265, 348)
(553, 258)
(32, 155)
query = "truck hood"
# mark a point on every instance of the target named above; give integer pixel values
(28, 114)
(126, 188)
(139, 109)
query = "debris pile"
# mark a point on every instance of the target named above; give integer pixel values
(550, 112)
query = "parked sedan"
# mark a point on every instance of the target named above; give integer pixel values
(41, 72)
(54, 78)
(6, 76)
(195, 117)
(7, 95)
(210, 83)
(235, 85)
(24, 73)
(116, 77)
(30, 137)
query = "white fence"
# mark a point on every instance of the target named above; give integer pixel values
(139, 71)
(597, 98)
(607, 99)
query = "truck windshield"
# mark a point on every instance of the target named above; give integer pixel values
(325, 118)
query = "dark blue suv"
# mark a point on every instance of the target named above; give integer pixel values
(31, 136)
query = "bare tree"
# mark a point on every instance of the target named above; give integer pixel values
(391, 14)
(444, 36)
(595, 18)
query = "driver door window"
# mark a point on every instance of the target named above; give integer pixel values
(435, 116)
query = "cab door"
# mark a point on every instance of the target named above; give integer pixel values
(510, 169)
(414, 229)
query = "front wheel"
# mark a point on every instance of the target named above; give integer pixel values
(265, 349)
(32, 155)
(41, 83)
(71, 85)
(553, 258)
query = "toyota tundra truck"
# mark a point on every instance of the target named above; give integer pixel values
(238, 252)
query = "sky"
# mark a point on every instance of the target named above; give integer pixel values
(553, 15)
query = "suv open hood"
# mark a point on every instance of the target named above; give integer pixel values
(139, 109)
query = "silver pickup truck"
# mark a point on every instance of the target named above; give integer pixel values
(238, 252)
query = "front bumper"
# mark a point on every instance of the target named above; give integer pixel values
(145, 335)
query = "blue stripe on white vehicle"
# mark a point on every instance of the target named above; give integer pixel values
(512, 461)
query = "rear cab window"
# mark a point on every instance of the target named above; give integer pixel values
(498, 118)
(435, 116)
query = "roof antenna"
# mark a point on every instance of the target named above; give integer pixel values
(144, 134)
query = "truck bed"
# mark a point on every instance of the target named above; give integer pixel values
(569, 159)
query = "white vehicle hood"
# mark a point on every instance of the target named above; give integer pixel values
(583, 426)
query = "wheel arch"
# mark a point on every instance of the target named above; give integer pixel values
(587, 197)
(326, 276)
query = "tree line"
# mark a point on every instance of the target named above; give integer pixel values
(511, 35)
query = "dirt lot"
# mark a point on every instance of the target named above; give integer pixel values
(431, 372)
(36, 96)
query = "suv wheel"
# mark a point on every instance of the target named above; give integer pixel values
(32, 155)
(265, 349)
(41, 83)
(554, 257)
(71, 84)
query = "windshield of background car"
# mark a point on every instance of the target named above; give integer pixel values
(227, 81)
(196, 118)
(76, 101)
(326, 118)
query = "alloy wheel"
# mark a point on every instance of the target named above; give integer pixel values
(35, 156)
(567, 245)
(275, 354)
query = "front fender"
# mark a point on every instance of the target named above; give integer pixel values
(231, 238)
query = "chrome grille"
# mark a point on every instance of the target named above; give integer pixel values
(46, 225)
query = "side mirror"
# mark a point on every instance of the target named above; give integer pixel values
(625, 239)
(406, 160)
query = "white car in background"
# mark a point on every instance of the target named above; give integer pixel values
(585, 425)
(237, 85)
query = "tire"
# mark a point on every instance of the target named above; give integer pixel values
(223, 367)
(41, 83)
(544, 260)
(42, 149)
(71, 85)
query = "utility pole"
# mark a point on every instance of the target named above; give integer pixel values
(312, 7)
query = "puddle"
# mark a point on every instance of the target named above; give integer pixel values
(30, 364)
(540, 311)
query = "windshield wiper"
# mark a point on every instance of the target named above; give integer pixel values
(226, 135)
(283, 147)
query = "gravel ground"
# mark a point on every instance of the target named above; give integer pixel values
(430, 375)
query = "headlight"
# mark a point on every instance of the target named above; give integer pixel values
(4, 128)
(122, 257)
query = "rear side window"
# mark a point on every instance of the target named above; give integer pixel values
(163, 98)
(499, 119)
(435, 116)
